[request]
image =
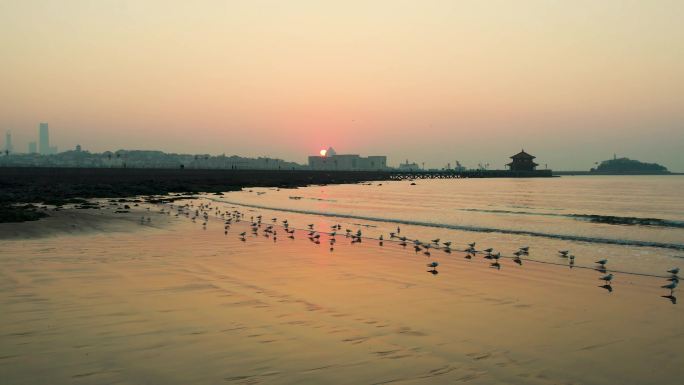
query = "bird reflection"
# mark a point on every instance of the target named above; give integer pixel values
(433, 271)
(496, 265)
(671, 297)
(607, 287)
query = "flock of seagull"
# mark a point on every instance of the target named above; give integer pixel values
(203, 210)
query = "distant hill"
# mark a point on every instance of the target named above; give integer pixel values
(628, 166)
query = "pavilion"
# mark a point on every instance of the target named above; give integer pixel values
(522, 161)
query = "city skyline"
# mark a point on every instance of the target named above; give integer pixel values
(43, 141)
(433, 81)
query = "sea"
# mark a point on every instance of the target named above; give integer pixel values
(157, 295)
(636, 222)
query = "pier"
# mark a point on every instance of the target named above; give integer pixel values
(452, 174)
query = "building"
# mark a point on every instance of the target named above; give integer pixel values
(409, 166)
(8, 142)
(44, 139)
(330, 160)
(32, 148)
(522, 161)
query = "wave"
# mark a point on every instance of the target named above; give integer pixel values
(595, 218)
(578, 238)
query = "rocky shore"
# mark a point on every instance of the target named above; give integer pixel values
(22, 187)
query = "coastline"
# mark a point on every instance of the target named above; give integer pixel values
(71, 221)
(60, 186)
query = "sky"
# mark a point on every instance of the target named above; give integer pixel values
(572, 82)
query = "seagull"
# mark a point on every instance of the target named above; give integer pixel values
(602, 262)
(607, 278)
(563, 253)
(670, 286)
(674, 271)
(436, 241)
(447, 244)
(472, 245)
(433, 264)
(488, 251)
(525, 248)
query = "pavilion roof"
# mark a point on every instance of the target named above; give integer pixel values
(523, 155)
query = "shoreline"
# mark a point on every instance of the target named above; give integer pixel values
(74, 221)
(60, 186)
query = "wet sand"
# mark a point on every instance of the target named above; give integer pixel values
(171, 303)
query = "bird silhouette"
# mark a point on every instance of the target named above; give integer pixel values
(607, 278)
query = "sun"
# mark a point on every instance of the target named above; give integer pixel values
(323, 152)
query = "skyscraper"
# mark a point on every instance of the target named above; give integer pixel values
(8, 141)
(44, 140)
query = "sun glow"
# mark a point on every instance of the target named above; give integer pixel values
(323, 152)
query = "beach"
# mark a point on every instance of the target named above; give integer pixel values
(168, 301)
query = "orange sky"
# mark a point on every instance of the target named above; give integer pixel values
(434, 81)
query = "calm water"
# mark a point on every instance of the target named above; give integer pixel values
(94, 297)
(635, 221)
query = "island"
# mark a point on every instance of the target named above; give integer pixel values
(628, 166)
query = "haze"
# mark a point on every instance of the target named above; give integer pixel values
(433, 81)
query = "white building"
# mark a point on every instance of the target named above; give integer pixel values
(409, 166)
(44, 139)
(347, 162)
(8, 142)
